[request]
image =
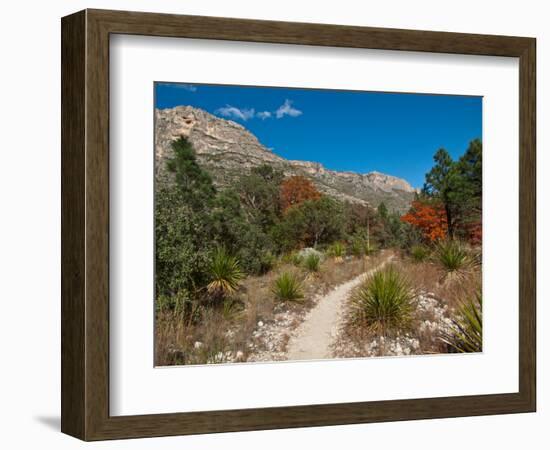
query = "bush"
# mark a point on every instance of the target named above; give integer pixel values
(453, 256)
(287, 287)
(294, 258)
(383, 302)
(182, 252)
(419, 253)
(267, 262)
(312, 262)
(466, 334)
(225, 274)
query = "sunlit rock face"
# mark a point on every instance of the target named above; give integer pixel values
(228, 150)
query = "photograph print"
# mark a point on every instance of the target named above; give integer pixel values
(315, 224)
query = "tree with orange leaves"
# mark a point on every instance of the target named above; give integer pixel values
(429, 218)
(295, 190)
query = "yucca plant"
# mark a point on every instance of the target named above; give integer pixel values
(287, 287)
(225, 273)
(383, 302)
(466, 333)
(419, 253)
(312, 262)
(337, 251)
(453, 256)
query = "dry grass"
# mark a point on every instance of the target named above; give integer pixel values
(223, 336)
(445, 295)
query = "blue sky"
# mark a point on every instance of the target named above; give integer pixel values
(392, 133)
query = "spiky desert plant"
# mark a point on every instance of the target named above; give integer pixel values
(419, 253)
(287, 287)
(453, 256)
(337, 251)
(383, 302)
(312, 262)
(466, 332)
(225, 274)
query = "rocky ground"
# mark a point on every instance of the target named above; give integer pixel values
(431, 320)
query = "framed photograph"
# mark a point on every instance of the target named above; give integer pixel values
(273, 225)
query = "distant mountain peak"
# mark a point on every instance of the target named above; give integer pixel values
(227, 149)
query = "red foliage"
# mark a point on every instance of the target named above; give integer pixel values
(295, 190)
(474, 231)
(431, 220)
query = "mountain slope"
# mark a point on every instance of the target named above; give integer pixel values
(227, 150)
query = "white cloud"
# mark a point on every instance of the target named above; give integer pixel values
(233, 112)
(286, 109)
(188, 87)
(244, 114)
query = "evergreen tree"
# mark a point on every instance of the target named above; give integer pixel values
(194, 183)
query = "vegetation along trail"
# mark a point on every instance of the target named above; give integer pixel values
(313, 338)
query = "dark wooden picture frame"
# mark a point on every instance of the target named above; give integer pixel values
(85, 224)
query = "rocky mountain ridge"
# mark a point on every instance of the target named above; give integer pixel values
(227, 149)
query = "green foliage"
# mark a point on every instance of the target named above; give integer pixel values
(288, 287)
(382, 210)
(182, 255)
(259, 195)
(195, 184)
(294, 257)
(453, 256)
(394, 233)
(458, 185)
(312, 262)
(361, 246)
(311, 223)
(229, 228)
(419, 253)
(358, 247)
(225, 274)
(383, 302)
(466, 334)
(337, 250)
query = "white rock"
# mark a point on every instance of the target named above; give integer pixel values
(197, 345)
(260, 324)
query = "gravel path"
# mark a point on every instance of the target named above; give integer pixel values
(313, 338)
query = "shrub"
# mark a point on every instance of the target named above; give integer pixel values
(225, 274)
(466, 333)
(419, 253)
(287, 287)
(453, 256)
(312, 262)
(294, 258)
(383, 302)
(267, 262)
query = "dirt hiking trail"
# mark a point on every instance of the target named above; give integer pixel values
(313, 338)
